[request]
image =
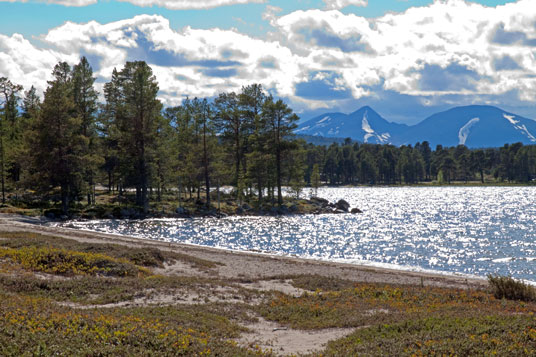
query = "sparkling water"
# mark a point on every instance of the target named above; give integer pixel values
(471, 231)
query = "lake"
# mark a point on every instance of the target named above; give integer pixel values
(472, 231)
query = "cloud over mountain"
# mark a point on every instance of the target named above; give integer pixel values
(452, 49)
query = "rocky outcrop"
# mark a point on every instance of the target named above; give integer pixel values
(342, 205)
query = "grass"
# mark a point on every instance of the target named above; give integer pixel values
(67, 262)
(34, 319)
(52, 291)
(35, 326)
(442, 335)
(146, 257)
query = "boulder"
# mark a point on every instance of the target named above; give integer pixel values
(50, 215)
(246, 207)
(356, 210)
(293, 208)
(239, 210)
(320, 201)
(126, 213)
(342, 205)
(182, 210)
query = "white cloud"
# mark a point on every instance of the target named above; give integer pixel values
(459, 40)
(190, 4)
(77, 3)
(27, 65)
(189, 62)
(168, 4)
(339, 4)
(451, 47)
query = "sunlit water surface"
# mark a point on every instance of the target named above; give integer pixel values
(466, 230)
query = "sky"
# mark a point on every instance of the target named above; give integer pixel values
(407, 59)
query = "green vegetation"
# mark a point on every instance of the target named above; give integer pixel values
(47, 311)
(504, 287)
(66, 262)
(477, 335)
(352, 163)
(131, 153)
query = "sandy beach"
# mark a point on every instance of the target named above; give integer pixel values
(248, 265)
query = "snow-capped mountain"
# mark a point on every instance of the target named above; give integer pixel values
(473, 126)
(364, 125)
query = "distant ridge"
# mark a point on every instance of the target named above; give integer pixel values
(320, 140)
(473, 126)
(364, 125)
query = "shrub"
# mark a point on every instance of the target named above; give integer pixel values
(66, 262)
(505, 287)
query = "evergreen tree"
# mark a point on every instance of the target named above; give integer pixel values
(138, 114)
(8, 121)
(85, 100)
(234, 128)
(280, 121)
(58, 146)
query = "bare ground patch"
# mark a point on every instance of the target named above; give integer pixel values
(286, 341)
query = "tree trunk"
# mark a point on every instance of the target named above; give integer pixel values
(206, 164)
(278, 173)
(65, 198)
(2, 166)
(218, 190)
(259, 186)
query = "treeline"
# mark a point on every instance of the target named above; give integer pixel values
(352, 163)
(69, 142)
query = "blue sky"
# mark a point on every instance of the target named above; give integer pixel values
(405, 58)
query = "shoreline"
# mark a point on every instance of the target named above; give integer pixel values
(364, 265)
(253, 265)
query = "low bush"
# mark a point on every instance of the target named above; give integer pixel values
(66, 262)
(505, 287)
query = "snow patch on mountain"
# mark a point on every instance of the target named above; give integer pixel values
(510, 118)
(522, 128)
(334, 131)
(370, 133)
(463, 134)
(323, 122)
(366, 126)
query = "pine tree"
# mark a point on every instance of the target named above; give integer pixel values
(281, 122)
(58, 146)
(138, 112)
(234, 128)
(85, 100)
(8, 117)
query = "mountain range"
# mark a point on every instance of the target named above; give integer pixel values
(473, 126)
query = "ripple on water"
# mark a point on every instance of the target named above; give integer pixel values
(471, 230)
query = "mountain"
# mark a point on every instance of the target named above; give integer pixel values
(320, 140)
(473, 126)
(364, 125)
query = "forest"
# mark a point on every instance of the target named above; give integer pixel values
(75, 140)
